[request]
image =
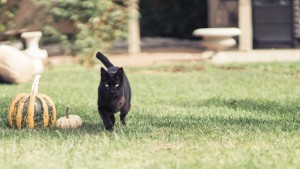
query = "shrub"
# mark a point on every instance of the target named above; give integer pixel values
(7, 13)
(98, 23)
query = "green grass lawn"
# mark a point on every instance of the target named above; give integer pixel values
(187, 116)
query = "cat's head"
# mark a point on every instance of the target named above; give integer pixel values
(112, 81)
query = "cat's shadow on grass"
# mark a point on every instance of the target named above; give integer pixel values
(267, 116)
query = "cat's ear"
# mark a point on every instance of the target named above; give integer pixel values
(103, 73)
(120, 72)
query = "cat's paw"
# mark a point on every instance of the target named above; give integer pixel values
(109, 128)
(124, 123)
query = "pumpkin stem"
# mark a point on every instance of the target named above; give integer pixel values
(35, 84)
(67, 112)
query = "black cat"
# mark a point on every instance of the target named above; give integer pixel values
(114, 93)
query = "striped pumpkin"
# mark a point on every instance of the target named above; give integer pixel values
(32, 110)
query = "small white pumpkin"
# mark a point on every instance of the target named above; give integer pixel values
(69, 121)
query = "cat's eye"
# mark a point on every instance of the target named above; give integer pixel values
(116, 85)
(106, 85)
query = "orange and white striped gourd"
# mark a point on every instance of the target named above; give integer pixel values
(69, 121)
(32, 110)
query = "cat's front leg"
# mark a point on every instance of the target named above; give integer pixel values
(123, 113)
(112, 119)
(123, 118)
(106, 120)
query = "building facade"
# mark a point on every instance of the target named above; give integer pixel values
(264, 23)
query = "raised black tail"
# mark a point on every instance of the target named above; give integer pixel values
(104, 60)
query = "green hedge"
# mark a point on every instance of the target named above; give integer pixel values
(98, 24)
(7, 14)
(172, 18)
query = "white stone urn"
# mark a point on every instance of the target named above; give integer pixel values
(217, 39)
(33, 51)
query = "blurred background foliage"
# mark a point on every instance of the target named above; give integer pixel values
(96, 24)
(7, 13)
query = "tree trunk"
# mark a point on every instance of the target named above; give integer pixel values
(134, 45)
